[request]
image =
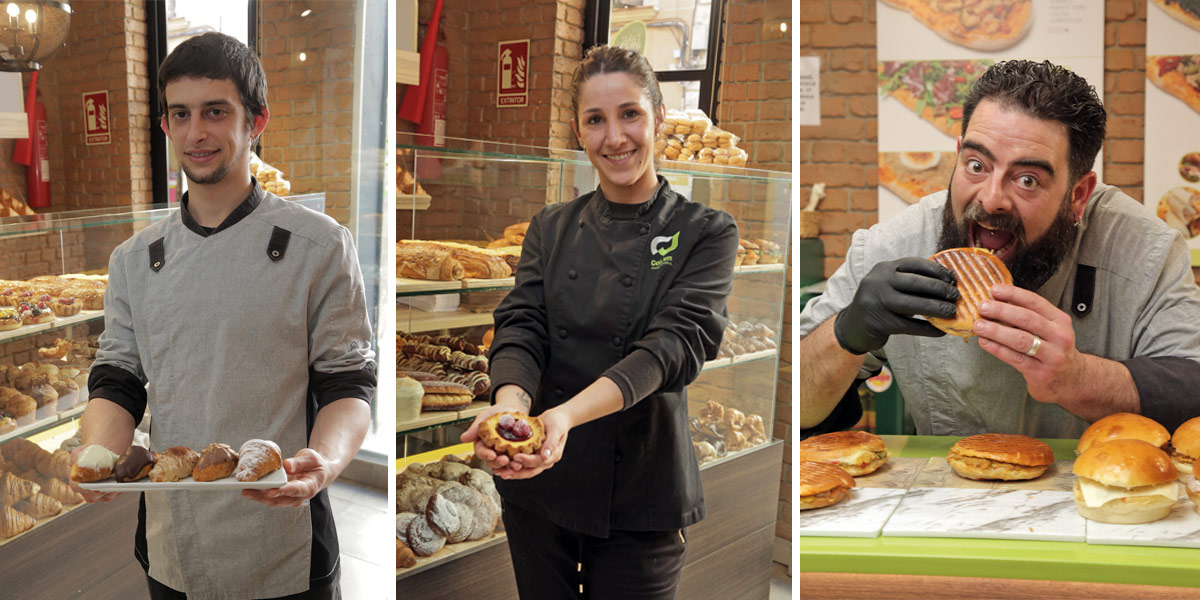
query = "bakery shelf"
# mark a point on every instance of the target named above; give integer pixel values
(415, 320)
(748, 269)
(44, 424)
(444, 417)
(418, 287)
(452, 552)
(412, 201)
(58, 323)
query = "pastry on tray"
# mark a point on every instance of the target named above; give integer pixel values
(134, 464)
(174, 464)
(95, 462)
(512, 433)
(65, 306)
(443, 395)
(256, 459)
(217, 461)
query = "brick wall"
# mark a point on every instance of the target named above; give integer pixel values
(842, 151)
(755, 96)
(309, 135)
(109, 53)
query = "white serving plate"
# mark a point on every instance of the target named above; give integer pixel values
(271, 480)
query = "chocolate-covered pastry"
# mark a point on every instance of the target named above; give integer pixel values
(216, 461)
(134, 464)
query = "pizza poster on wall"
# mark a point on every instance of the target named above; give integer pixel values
(1172, 155)
(930, 53)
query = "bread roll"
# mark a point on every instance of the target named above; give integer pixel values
(976, 270)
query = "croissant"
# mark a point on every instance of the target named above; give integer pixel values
(13, 488)
(13, 522)
(55, 464)
(59, 490)
(174, 464)
(39, 505)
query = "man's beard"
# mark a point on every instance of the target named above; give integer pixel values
(1031, 265)
(214, 177)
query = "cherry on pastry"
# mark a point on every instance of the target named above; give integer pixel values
(512, 433)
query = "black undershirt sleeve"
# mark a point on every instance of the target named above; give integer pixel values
(119, 386)
(1166, 387)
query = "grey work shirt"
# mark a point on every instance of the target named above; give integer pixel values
(230, 339)
(1145, 304)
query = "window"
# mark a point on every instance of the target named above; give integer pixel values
(682, 43)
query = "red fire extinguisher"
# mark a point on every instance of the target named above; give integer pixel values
(34, 152)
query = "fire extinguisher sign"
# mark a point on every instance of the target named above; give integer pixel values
(97, 126)
(512, 82)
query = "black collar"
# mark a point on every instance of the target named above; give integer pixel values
(609, 210)
(240, 212)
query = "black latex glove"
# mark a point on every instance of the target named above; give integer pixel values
(889, 296)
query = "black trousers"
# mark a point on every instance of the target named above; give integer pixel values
(554, 563)
(330, 590)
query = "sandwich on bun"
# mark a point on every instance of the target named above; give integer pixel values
(821, 484)
(1125, 481)
(1123, 426)
(976, 270)
(858, 452)
(1185, 446)
(1000, 456)
(1192, 487)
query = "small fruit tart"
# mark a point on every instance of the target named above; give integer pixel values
(65, 306)
(512, 433)
(39, 312)
(10, 318)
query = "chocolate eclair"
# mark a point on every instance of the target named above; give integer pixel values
(217, 461)
(133, 465)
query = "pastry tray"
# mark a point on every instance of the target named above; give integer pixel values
(274, 479)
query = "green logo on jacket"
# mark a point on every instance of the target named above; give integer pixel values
(656, 247)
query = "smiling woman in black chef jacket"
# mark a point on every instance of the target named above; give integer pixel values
(619, 299)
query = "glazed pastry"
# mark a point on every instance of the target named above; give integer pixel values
(65, 306)
(10, 318)
(257, 458)
(39, 506)
(173, 464)
(512, 433)
(95, 462)
(216, 462)
(13, 522)
(59, 490)
(134, 464)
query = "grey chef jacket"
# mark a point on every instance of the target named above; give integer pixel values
(1143, 310)
(243, 331)
(637, 294)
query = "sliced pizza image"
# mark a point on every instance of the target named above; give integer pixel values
(985, 25)
(1180, 208)
(1178, 75)
(914, 175)
(1184, 11)
(935, 90)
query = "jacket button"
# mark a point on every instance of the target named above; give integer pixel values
(645, 228)
(562, 333)
(558, 392)
(572, 274)
(617, 340)
(618, 457)
(628, 281)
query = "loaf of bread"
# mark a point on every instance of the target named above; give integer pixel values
(417, 262)
(477, 263)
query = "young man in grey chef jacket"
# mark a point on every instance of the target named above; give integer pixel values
(1104, 313)
(246, 316)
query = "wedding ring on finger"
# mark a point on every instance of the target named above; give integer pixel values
(1037, 343)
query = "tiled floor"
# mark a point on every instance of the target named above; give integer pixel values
(368, 555)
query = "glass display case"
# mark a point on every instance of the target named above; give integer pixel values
(473, 196)
(45, 360)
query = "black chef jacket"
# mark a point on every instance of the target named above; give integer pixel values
(635, 293)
